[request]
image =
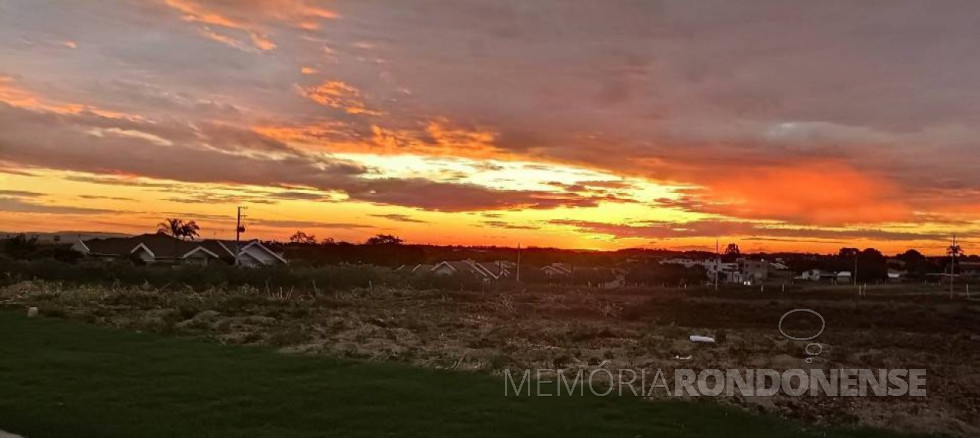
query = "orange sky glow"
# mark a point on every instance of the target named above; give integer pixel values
(494, 124)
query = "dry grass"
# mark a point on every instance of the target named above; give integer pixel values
(583, 330)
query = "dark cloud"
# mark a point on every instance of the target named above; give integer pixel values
(110, 198)
(399, 218)
(430, 195)
(19, 194)
(20, 205)
(509, 226)
(700, 93)
(716, 228)
(307, 224)
(63, 142)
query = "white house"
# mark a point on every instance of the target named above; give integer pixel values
(161, 248)
(557, 270)
(486, 270)
(817, 275)
(253, 254)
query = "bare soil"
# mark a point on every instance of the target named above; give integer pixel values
(890, 327)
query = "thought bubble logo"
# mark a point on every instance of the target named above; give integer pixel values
(812, 349)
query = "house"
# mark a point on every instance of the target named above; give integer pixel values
(148, 248)
(486, 270)
(557, 270)
(844, 277)
(895, 275)
(727, 272)
(780, 273)
(161, 248)
(687, 263)
(251, 253)
(419, 268)
(618, 280)
(817, 275)
(753, 271)
(969, 269)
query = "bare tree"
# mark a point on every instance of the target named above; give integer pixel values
(384, 239)
(303, 238)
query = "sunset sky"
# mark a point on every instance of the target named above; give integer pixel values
(776, 125)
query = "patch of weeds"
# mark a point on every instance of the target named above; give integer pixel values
(498, 362)
(287, 336)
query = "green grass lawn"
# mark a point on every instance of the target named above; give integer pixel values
(66, 379)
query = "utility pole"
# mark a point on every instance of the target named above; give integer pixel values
(952, 265)
(717, 264)
(239, 229)
(518, 263)
(856, 267)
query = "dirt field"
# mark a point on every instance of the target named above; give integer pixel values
(891, 327)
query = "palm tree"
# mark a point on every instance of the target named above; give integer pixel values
(954, 251)
(178, 229)
(189, 230)
(171, 227)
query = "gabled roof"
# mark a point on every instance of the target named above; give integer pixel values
(461, 266)
(111, 246)
(496, 269)
(164, 247)
(160, 246)
(557, 268)
(260, 246)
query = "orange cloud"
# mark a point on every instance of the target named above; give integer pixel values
(340, 95)
(246, 16)
(440, 137)
(14, 95)
(814, 193)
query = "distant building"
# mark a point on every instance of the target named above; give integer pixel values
(754, 271)
(727, 272)
(968, 269)
(817, 275)
(161, 248)
(895, 275)
(419, 268)
(557, 270)
(685, 262)
(486, 270)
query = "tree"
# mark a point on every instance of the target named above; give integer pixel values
(872, 266)
(732, 250)
(911, 256)
(954, 251)
(384, 239)
(20, 246)
(189, 230)
(170, 226)
(179, 229)
(303, 238)
(848, 253)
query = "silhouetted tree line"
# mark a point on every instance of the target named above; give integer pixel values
(332, 264)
